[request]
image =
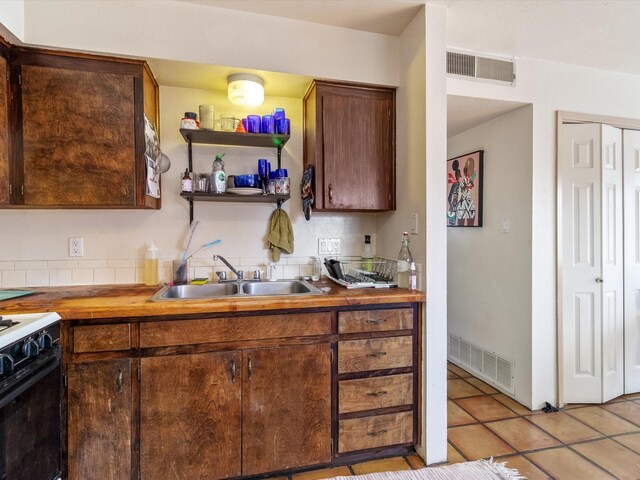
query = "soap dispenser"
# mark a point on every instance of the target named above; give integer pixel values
(151, 265)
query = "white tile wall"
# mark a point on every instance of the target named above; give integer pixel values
(129, 271)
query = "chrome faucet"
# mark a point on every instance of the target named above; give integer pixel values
(238, 273)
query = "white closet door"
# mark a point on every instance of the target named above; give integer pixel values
(580, 173)
(631, 155)
(612, 265)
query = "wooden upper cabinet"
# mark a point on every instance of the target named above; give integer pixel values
(81, 138)
(4, 124)
(350, 140)
(286, 405)
(99, 420)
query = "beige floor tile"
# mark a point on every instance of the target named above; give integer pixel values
(458, 388)
(613, 457)
(392, 464)
(458, 371)
(573, 406)
(524, 467)
(479, 384)
(323, 473)
(457, 416)
(630, 441)
(415, 461)
(565, 428)
(512, 404)
(563, 464)
(522, 434)
(451, 375)
(602, 420)
(629, 410)
(453, 456)
(632, 396)
(477, 441)
(485, 408)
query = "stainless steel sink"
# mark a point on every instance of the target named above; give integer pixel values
(283, 287)
(235, 289)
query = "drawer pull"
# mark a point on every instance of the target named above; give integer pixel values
(376, 321)
(119, 381)
(377, 354)
(233, 371)
(375, 434)
(377, 394)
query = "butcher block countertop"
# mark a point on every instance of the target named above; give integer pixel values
(124, 301)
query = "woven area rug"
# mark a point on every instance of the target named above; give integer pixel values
(478, 470)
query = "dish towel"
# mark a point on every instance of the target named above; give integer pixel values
(280, 234)
(306, 191)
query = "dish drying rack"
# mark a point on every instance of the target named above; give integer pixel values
(356, 273)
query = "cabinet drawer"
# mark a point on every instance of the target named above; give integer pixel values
(374, 354)
(377, 392)
(101, 338)
(375, 320)
(212, 330)
(377, 431)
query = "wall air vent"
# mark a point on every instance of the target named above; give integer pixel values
(481, 67)
(487, 365)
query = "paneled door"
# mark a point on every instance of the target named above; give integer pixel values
(591, 262)
(631, 155)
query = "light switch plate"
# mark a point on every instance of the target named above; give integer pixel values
(414, 224)
(329, 246)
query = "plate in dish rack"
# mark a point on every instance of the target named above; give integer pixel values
(245, 191)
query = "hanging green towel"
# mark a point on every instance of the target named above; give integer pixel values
(280, 234)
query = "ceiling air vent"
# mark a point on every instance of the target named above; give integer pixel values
(481, 67)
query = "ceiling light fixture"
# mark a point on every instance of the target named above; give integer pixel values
(245, 89)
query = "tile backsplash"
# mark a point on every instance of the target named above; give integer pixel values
(55, 273)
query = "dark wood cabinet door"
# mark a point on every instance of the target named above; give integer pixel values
(286, 404)
(4, 127)
(190, 409)
(358, 163)
(78, 134)
(99, 419)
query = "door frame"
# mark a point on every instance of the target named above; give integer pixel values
(563, 117)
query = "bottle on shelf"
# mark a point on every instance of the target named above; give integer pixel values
(367, 256)
(404, 262)
(413, 277)
(151, 265)
(218, 175)
(187, 182)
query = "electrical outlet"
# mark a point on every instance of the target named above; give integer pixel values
(329, 246)
(414, 224)
(76, 247)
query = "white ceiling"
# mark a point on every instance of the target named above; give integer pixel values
(464, 113)
(389, 17)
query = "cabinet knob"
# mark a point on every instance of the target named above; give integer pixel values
(330, 193)
(119, 381)
(250, 368)
(379, 393)
(599, 280)
(376, 321)
(375, 434)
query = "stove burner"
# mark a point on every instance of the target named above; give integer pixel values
(6, 323)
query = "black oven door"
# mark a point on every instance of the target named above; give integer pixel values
(30, 420)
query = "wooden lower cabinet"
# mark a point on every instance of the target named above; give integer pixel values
(286, 408)
(99, 419)
(190, 416)
(239, 396)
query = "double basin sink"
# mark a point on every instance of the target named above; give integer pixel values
(235, 289)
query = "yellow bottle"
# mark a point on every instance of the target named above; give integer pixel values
(151, 265)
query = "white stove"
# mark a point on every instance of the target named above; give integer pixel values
(14, 327)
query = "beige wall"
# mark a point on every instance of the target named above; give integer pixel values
(489, 271)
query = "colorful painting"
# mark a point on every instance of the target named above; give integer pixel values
(464, 190)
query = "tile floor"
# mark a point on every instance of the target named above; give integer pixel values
(583, 442)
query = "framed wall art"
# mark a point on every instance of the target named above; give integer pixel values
(464, 190)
